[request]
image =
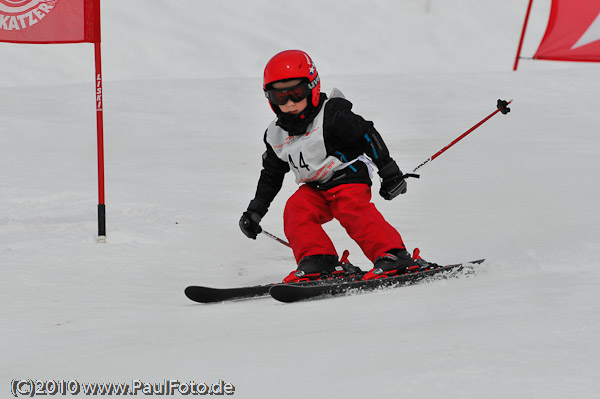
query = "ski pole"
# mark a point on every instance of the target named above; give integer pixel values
(502, 106)
(343, 259)
(274, 237)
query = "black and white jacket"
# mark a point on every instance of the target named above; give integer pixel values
(321, 146)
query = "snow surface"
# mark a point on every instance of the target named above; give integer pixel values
(184, 118)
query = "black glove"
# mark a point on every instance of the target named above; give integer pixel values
(392, 183)
(249, 223)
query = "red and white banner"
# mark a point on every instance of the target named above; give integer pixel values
(49, 21)
(573, 32)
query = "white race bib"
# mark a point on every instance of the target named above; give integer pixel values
(306, 154)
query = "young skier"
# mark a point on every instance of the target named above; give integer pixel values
(324, 143)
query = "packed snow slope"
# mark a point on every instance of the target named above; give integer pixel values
(184, 118)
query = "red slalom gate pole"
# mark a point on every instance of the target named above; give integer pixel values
(502, 106)
(99, 122)
(516, 65)
(100, 144)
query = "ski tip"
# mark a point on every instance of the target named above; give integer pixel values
(288, 293)
(188, 290)
(478, 261)
(280, 294)
(191, 293)
(202, 294)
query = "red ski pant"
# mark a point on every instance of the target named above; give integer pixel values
(308, 208)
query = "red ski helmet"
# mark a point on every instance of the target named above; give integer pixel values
(293, 64)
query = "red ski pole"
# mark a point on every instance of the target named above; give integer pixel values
(502, 106)
(274, 237)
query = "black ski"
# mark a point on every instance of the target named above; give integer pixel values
(292, 293)
(210, 294)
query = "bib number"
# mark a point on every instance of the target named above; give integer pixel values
(301, 162)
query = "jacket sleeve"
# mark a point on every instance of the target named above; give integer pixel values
(353, 129)
(270, 181)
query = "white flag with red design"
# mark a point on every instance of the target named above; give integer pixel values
(573, 32)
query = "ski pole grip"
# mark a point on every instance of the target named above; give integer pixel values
(407, 175)
(503, 106)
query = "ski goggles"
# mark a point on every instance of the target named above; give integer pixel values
(281, 96)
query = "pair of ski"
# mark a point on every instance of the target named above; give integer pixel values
(293, 292)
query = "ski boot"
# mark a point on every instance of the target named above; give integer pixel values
(397, 262)
(322, 267)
